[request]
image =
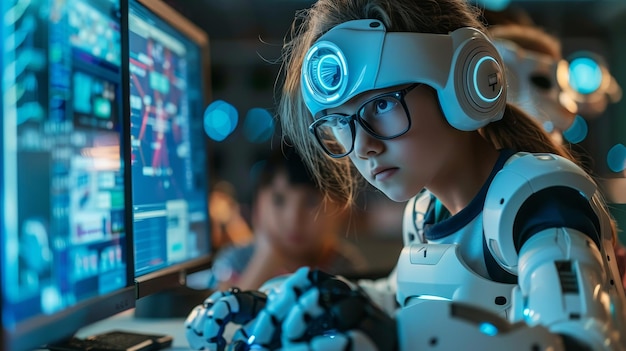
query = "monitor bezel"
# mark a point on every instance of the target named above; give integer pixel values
(40, 330)
(175, 276)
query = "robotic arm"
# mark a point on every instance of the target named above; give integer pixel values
(562, 285)
(568, 280)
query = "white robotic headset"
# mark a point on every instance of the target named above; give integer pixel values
(463, 67)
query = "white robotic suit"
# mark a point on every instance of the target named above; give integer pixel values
(567, 281)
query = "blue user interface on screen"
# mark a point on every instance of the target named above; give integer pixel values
(62, 183)
(168, 152)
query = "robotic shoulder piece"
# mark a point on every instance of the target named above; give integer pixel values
(567, 279)
(523, 175)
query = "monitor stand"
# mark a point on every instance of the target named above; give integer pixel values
(172, 303)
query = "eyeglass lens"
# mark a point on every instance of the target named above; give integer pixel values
(382, 117)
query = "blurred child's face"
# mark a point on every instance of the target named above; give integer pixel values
(295, 217)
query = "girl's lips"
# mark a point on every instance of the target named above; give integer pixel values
(385, 173)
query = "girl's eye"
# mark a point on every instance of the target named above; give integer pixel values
(379, 106)
(382, 105)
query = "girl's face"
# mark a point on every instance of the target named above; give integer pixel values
(402, 166)
(294, 216)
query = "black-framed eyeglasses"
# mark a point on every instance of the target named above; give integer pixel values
(384, 117)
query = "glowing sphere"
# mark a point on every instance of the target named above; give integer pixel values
(577, 132)
(220, 120)
(585, 75)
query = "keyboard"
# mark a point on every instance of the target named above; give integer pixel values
(116, 340)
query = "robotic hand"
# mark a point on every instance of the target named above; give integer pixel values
(313, 310)
(206, 324)
(309, 310)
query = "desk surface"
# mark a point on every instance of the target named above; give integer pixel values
(127, 321)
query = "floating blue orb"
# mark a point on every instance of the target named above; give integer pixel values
(220, 120)
(258, 126)
(616, 158)
(577, 132)
(585, 75)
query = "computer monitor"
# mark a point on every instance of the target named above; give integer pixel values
(66, 254)
(167, 59)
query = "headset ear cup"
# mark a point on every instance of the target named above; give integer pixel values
(475, 94)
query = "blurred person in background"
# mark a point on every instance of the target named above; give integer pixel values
(293, 226)
(228, 225)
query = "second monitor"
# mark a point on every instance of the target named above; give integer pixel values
(168, 147)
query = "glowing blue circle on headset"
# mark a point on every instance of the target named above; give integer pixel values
(493, 79)
(325, 72)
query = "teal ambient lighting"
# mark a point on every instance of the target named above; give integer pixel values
(494, 5)
(488, 329)
(220, 120)
(585, 75)
(577, 132)
(258, 126)
(616, 158)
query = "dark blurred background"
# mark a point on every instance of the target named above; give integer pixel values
(245, 42)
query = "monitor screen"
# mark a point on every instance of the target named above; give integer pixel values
(66, 254)
(168, 146)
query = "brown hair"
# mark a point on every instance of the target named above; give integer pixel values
(530, 38)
